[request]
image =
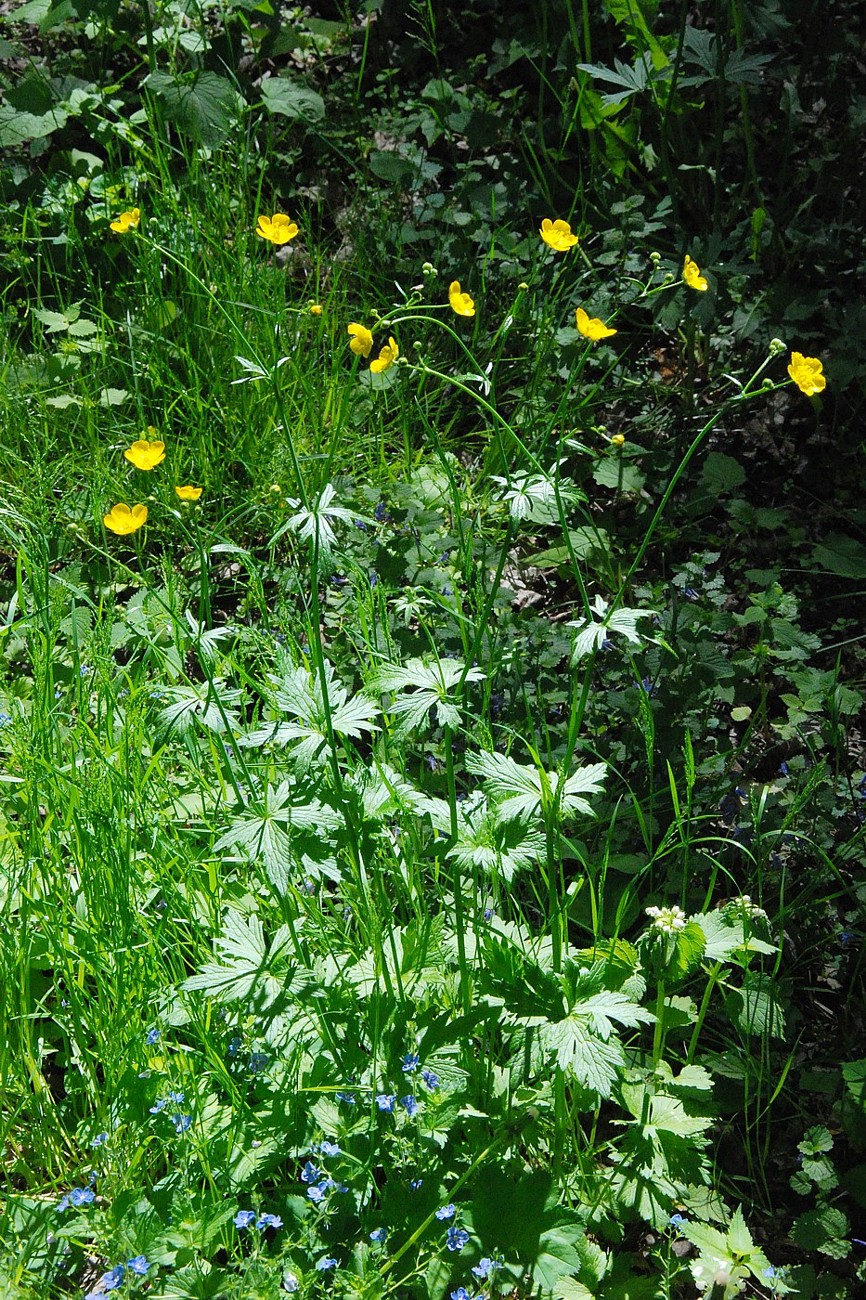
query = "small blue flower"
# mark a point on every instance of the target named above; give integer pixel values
(309, 1173)
(410, 1105)
(446, 1211)
(326, 1262)
(431, 1079)
(100, 1140)
(177, 1098)
(347, 1097)
(82, 1196)
(290, 1282)
(379, 1235)
(138, 1264)
(111, 1280)
(456, 1238)
(259, 1062)
(489, 913)
(484, 1267)
(268, 1221)
(415, 1184)
(235, 1045)
(386, 1101)
(675, 1220)
(329, 1149)
(768, 1272)
(151, 1037)
(181, 1122)
(410, 1063)
(5, 720)
(63, 1204)
(244, 1218)
(160, 1105)
(460, 1294)
(85, 670)
(317, 1194)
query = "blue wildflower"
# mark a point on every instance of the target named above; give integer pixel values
(244, 1218)
(309, 1173)
(460, 1294)
(431, 1079)
(109, 1281)
(290, 1282)
(326, 1262)
(100, 1140)
(489, 913)
(5, 720)
(181, 1122)
(151, 1037)
(82, 1196)
(235, 1045)
(768, 1272)
(139, 1265)
(317, 1194)
(484, 1267)
(176, 1097)
(675, 1220)
(329, 1149)
(160, 1105)
(379, 1235)
(410, 1063)
(446, 1211)
(259, 1062)
(268, 1221)
(410, 1105)
(386, 1101)
(347, 1097)
(456, 1238)
(415, 1184)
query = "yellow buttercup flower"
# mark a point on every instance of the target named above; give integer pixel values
(461, 303)
(360, 340)
(127, 221)
(315, 309)
(278, 229)
(188, 492)
(618, 440)
(692, 275)
(807, 373)
(557, 235)
(388, 355)
(591, 327)
(123, 521)
(145, 455)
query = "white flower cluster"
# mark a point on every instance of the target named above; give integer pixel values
(667, 919)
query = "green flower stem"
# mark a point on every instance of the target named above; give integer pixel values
(425, 1224)
(459, 907)
(713, 978)
(659, 1031)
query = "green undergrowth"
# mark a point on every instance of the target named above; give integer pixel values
(432, 792)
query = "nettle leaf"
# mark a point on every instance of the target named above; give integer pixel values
(290, 99)
(595, 1063)
(248, 969)
(204, 105)
(522, 791)
(755, 1008)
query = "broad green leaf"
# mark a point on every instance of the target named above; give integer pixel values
(204, 105)
(290, 99)
(16, 128)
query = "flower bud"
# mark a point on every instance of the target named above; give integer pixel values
(655, 258)
(523, 286)
(427, 268)
(618, 440)
(776, 346)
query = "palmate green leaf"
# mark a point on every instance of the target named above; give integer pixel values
(430, 685)
(519, 791)
(485, 841)
(210, 704)
(592, 632)
(247, 968)
(298, 692)
(259, 829)
(593, 1062)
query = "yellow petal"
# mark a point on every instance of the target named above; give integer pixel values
(188, 492)
(692, 275)
(123, 521)
(360, 340)
(557, 235)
